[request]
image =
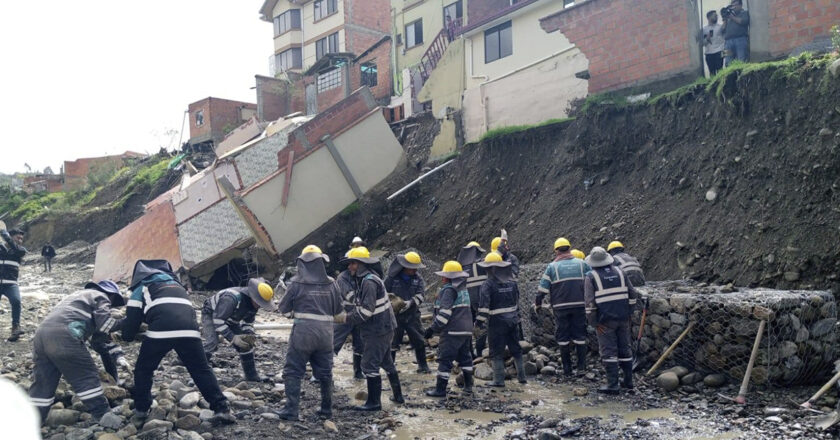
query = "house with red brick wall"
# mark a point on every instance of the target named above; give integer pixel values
(78, 172)
(213, 118)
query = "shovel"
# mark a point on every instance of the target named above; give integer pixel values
(636, 361)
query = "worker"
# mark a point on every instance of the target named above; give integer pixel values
(48, 252)
(373, 314)
(161, 302)
(563, 283)
(627, 263)
(313, 301)
(453, 321)
(357, 242)
(11, 257)
(341, 330)
(609, 297)
(59, 350)
(231, 313)
(468, 257)
(577, 253)
(502, 246)
(407, 285)
(499, 311)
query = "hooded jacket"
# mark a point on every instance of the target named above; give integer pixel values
(372, 312)
(408, 287)
(159, 301)
(609, 295)
(469, 257)
(347, 290)
(499, 297)
(453, 317)
(11, 255)
(629, 265)
(231, 308)
(563, 282)
(312, 297)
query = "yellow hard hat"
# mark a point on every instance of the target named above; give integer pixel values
(615, 244)
(578, 254)
(261, 293)
(359, 252)
(494, 245)
(493, 257)
(266, 292)
(312, 252)
(452, 266)
(413, 257)
(473, 244)
(311, 249)
(561, 242)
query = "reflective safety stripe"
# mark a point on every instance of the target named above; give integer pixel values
(76, 309)
(134, 303)
(467, 368)
(314, 317)
(481, 318)
(611, 360)
(371, 374)
(459, 333)
(447, 312)
(222, 328)
(475, 283)
(245, 353)
(116, 349)
(460, 305)
(42, 402)
(381, 301)
(563, 343)
(381, 309)
(160, 301)
(483, 310)
(9, 263)
(442, 320)
(577, 303)
(542, 289)
(367, 313)
(625, 359)
(504, 310)
(443, 375)
(611, 298)
(580, 342)
(567, 279)
(93, 392)
(106, 326)
(173, 334)
(8, 282)
(545, 277)
(218, 321)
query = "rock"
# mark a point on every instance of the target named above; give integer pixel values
(179, 389)
(548, 371)
(329, 426)
(668, 381)
(160, 433)
(823, 327)
(270, 416)
(361, 395)
(691, 378)
(189, 400)
(115, 394)
(774, 419)
(659, 306)
(111, 421)
(190, 435)
(825, 132)
(205, 414)
(531, 368)
(834, 68)
(714, 380)
(59, 417)
(483, 371)
(155, 424)
(787, 349)
(711, 195)
(678, 370)
(677, 319)
(792, 275)
(580, 391)
(109, 436)
(79, 434)
(188, 422)
(752, 133)
(548, 434)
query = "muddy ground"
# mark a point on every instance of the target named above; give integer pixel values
(545, 408)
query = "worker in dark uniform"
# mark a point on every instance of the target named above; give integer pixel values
(404, 282)
(563, 283)
(59, 347)
(502, 246)
(158, 300)
(610, 297)
(313, 301)
(468, 257)
(375, 318)
(454, 323)
(627, 263)
(341, 330)
(11, 256)
(499, 311)
(48, 252)
(231, 313)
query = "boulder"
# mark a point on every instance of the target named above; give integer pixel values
(115, 394)
(111, 421)
(59, 417)
(188, 422)
(189, 400)
(668, 381)
(714, 380)
(79, 434)
(691, 378)
(483, 371)
(680, 371)
(155, 424)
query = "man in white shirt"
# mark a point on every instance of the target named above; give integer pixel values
(713, 43)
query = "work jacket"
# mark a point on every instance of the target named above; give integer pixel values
(499, 301)
(453, 317)
(232, 312)
(609, 295)
(563, 282)
(159, 301)
(372, 312)
(11, 255)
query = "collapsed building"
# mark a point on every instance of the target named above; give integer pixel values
(259, 199)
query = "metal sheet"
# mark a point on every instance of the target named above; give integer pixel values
(152, 236)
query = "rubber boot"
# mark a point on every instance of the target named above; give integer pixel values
(581, 359)
(468, 382)
(498, 373)
(249, 367)
(520, 369)
(439, 389)
(138, 419)
(357, 367)
(627, 370)
(612, 379)
(396, 388)
(422, 365)
(566, 359)
(292, 409)
(326, 399)
(374, 402)
(222, 415)
(15, 335)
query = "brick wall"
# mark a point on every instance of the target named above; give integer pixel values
(365, 22)
(793, 24)
(382, 57)
(629, 42)
(219, 114)
(76, 172)
(203, 129)
(277, 98)
(479, 10)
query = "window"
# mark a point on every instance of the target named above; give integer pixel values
(326, 45)
(453, 11)
(414, 34)
(498, 42)
(287, 21)
(329, 80)
(369, 71)
(199, 118)
(567, 3)
(324, 8)
(288, 59)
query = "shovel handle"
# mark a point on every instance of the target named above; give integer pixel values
(822, 390)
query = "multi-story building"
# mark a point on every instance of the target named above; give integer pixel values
(213, 118)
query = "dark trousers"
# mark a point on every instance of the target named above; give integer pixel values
(501, 334)
(56, 353)
(47, 264)
(570, 326)
(614, 343)
(715, 62)
(454, 349)
(340, 334)
(377, 354)
(409, 322)
(310, 344)
(191, 354)
(12, 292)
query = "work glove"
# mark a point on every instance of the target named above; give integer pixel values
(408, 306)
(341, 318)
(478, 331)
(123, 363)
(428, 333)
(242, 342)
(397, 303)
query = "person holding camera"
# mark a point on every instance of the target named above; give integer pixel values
(713, 43)
(736, 25)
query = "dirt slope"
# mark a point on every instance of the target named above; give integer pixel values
(763, 142)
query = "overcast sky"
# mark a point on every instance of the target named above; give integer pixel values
(94, 77)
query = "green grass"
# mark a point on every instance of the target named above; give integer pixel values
(504, 131)
(351, 209)
(675, 95)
